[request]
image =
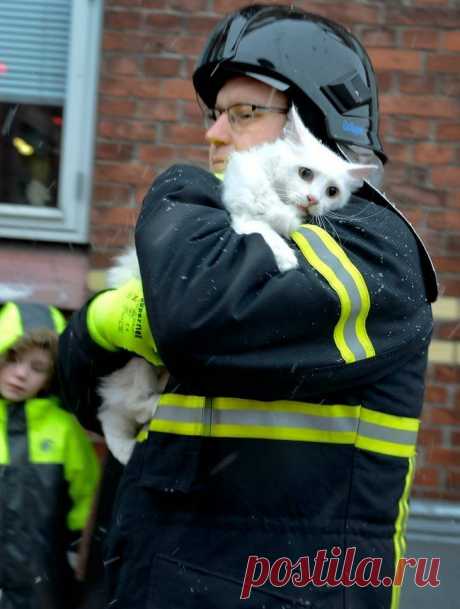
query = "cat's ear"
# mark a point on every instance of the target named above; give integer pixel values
(295, 130)
(358, 173)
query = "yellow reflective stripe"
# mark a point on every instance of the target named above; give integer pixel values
(360, 285)
(307, 408)
(389, 420)
(331, 261)
(393, 449)
(399, 540)
(186, 401)
(285, 420)
(345, 305)
(4, 447)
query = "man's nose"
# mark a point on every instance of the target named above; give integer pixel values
(220, 131)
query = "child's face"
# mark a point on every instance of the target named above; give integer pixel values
(25, 375)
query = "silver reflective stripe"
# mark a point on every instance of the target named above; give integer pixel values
(343, 275)
(387, 434)
(266, 418)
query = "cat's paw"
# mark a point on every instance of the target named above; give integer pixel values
(285, 258)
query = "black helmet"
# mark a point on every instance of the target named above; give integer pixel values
(323, 68)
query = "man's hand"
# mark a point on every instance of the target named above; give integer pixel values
(117, 319)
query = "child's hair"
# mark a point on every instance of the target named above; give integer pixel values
(40, 338)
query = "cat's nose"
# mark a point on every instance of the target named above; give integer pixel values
(312, 200)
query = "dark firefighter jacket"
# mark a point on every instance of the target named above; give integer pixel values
(289, 424)
(48, 474)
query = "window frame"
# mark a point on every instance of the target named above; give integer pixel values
(69, 221)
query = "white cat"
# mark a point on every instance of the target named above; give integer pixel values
(271, 189)
(129, 395)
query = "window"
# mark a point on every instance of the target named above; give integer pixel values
(49, 59)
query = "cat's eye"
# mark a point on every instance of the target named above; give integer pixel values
(332, 191)
(306, 174)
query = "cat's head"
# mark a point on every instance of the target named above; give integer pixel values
(318, 179)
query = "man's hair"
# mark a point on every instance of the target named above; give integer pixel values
(38, 338)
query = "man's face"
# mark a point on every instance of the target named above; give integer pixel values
(24, 375)
(223, 138)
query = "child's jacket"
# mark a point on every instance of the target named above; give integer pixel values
(48, 475)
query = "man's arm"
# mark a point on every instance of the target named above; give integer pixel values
(220, 310)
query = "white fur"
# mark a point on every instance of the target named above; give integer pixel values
(265, 194)
(129, 395)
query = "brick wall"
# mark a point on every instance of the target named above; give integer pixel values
(148, 119)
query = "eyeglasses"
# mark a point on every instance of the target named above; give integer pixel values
(239, 115)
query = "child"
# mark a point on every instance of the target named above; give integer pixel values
(48, 468)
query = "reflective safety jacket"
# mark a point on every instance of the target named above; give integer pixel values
(48, 475)
(290, 421)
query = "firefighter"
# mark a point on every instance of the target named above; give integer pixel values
(48, 468)
(288, 427)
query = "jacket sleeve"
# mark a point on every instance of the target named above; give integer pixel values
(82, 472)
(81, 365)
(227, 322)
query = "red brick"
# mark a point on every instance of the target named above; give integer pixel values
(444, 456)
(110, 236)
(186, 45)
(168, 23)
(342, 12)
(124, 20)
(161, 66)
(448, 131)
(453, 199)
(117, 107)
(428, 106)
(436, 394)
(452, 244)
(391, 59)
(201, 25)
(446, 177)
(192, 6)
(446, 219)
(434, 18)
(450, 86)
(177, 89)
(431, 3)
(448, 264)
(195, 154)
(127, 130)
(113, 151)
(411, 195)
(395, 174)
(156, 154)
(430, 437)
(426, 476)
(451, 287)
(124, 173)
(183, 134)
(449, 330)
(411, 128)
(113, 194)
(114, 216)
(444, 63)
(124, 87)
(420, 39)
(453, 480)
(444, 416)
(122, 65)
(117, 41)
(410, 83)
(451, 41)
(433, 154)
(379, 37)
(385, 81)
(157, 110)
(398, 152)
